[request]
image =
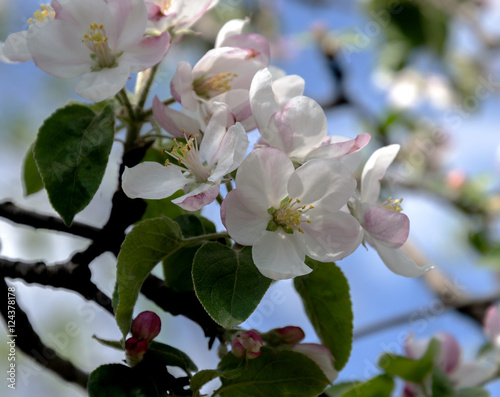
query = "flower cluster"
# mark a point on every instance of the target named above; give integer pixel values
(145, 327)
(295, 194)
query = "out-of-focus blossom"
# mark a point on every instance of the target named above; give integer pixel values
(492, 326)
(286, 214)
(321, 355)
(176, 16)
(101, 41)
(200, 170)
(247, 344)
(294, 123)
(385, 227)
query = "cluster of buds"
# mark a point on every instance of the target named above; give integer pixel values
(145, 327)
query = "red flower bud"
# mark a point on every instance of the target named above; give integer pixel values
(247, 343)
(147, 325)
(135, 349)
(290, 335)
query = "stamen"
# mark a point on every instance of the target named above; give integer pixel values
(214, 85)
(393, 205)
(97, 42)
(289, 214)
(45, 13)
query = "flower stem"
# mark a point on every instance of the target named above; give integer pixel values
(205, 237)
(219, 199)
(143, 90)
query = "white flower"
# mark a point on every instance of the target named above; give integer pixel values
(385, 227)
(286, 214)
(294, 123)
(200, 170)
(101, 41)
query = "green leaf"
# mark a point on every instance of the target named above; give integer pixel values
(229, 367)
(171, 356)
(71, 152)
(472, 392)
(32, 181)
(227, 283)
(325, 294)
(116, 380)
(441, 384)
(110, 343)
(283, 373)
(409, 369)
(163, 207)
(148, 243)
(177, 268)
(339, 389)
(380, 386)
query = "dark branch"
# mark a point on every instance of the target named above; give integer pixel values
(30, 343)
(69, 276)
(10, 211)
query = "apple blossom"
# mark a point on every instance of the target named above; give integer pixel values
(247, 344)
(492, 326)
(176, 16)
(286, 214)
(294, 123)
(100, 40)
(461, 373)
(385, 227)
(200, 170)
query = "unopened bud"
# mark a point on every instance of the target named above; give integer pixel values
(290, 335)
(135, 349)
(147, 325)
(247, 344)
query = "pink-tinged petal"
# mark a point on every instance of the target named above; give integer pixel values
(415, 348)
(287, 87)
(290, 334)
(279, 255)
(237, 100)
(321, 355)
(151, 180)
(262, 177)
(195, 200)
(97, 86)
(181, 86)
(473, 373)
(397, 261)
(233, 149)
(190, 11)
(210, 147)
(147, 53)
(243, 219)
(450, 352)
(374, 171)
(15, 48)
(257, 45)
(81, 13)
(322, 179)
(230, 28)
(331, 236)
(492, 325)
(338, 149)
(302, 126)
(57, 49)
(129, 19)
(389, 228)
(262, 99)
(173, 121)
(154, 12)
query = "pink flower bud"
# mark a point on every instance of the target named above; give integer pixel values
(492, 325)
(290, 335)
(247, 343)
(135, 349)
(147, 326)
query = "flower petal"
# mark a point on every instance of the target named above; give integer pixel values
(15, 48)
(232, 152)
(390, 228)
(195, 200)
(97, 86)
(181, 86)
(173, 121)
(230, 28)
(473, 373)
(152, 180)
(287, 87)
(331, 237)
(336, 149)
(147, 53)
(321, 355)
(279, 255)
(374, 171)
(397, 261)
(129, 19)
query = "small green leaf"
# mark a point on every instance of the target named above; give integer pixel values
(283, 373)
(110, 343)
(229, 367)
(441, 384)
(325, 294)
(71, 152)
(32, 181)
(201, 378)
(409, 369)
(472, 392)
(171, 356)
(380, 386)
(116, 380)
(149, 242)
(227, 283)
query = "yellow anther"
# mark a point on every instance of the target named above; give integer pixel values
(214, 85)
(393, 205)
(96, 41)
(45, 13)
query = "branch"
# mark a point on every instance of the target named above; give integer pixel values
(10, 211)
(184, 303)
(30, 343)
(70, 276)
